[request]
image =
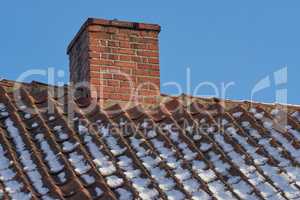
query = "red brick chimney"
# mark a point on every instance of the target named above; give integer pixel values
(119, 60)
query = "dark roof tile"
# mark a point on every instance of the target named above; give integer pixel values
(185, 148)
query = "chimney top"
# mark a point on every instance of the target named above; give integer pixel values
(116, 61)
(113, 23)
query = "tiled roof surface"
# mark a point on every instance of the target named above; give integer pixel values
(187, 148)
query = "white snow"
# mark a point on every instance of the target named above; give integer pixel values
(107, 169)
(219, 191)
(62, 177)
(148, 194)
(27, 116)
(112, 143)
(207, 175)
(88, 178)
(159, 174)
(124, 194)
(296, 115)
(191, 185)
(259, 115)
(237, 114)
(197, 137)
(69, 146)
(132, 173)
(124, 161)
(25, 158)
(2, 107)
(281, 180)
(50, 157)
(175, 195)
(201, 196)
(268, 124)
(51, 118)
(98, 191)
(274, 111)
(205, 146)
(245, 124)
(57, 128)
(151, 134)
(79, 163)
(4, 114)
(23, 107)
(34, 125)
(114, 181)
(182, 174)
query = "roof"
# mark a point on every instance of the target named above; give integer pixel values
(185, 148)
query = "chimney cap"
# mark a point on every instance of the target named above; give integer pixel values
(114, 23)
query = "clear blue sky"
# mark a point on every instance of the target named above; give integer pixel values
(221, 41)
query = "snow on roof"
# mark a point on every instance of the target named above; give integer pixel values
(240, 152)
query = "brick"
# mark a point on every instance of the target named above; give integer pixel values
(150, 100)
(148, 80)
(148, 53)
(113, 83)
(108, 56)
(148, 66)
(152, 27)
(95, 28)
(152, 47)
(148, 92)
(125, 64)
(110, 69)
(120, 37)
(154, 73)
(124, 44)
(153, 41)
(125, 58)
(94, 55)
(122, 90)
(95, 68)
(100, 49)
(124, 51)
(108, 89)
(124, 97)
(107, 76)
(153, 60)
(101, 35)
(95, 75)
(113, 43)
(93, 41)
(127, 71)
(144, 59)
(103, 43)
(149, 34)
(120, 77)
(112, 30)
(137, 59)
(101, 62)
(134, 39)
(125, 84)
(142, 72)
(138, 46)
(95, 81)
(103, 54)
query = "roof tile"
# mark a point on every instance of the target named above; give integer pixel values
(185, 148)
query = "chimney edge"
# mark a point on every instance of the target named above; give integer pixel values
(113, 23)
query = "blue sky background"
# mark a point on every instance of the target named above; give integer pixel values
(220, 41)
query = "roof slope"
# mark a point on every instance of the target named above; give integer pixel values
(187, 148)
